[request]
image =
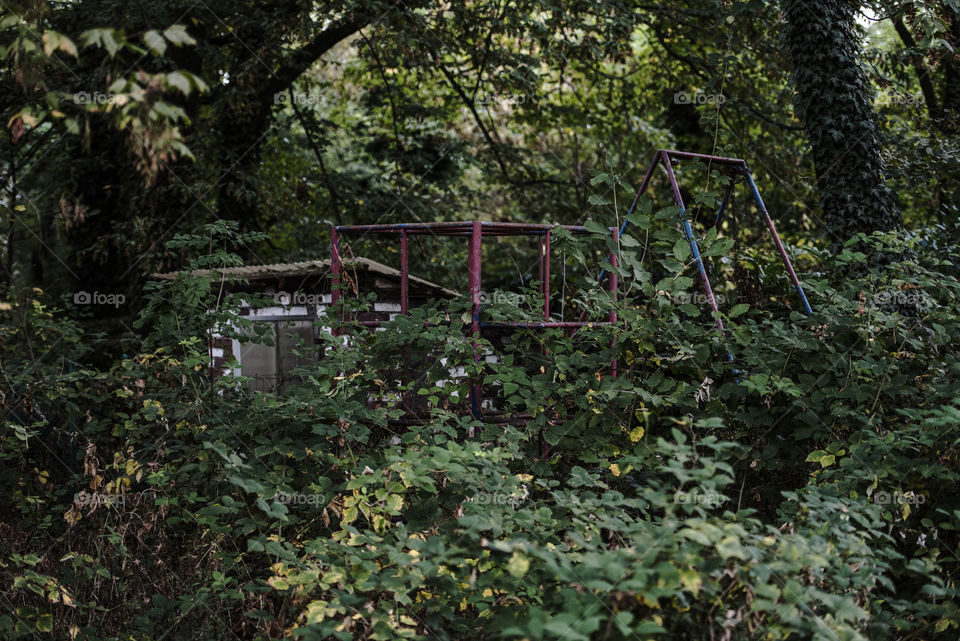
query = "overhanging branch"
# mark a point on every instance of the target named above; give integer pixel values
(304, 58)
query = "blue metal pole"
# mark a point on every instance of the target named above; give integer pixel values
(688, 231)
(776, 240)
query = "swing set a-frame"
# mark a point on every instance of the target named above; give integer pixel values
(733, 167)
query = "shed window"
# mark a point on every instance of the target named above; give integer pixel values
(271, 366)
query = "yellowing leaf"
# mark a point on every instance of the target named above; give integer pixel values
(615, 469)
(45, 623)
(691, 580)
(394, 502)
(317, 611)
(349, 515)
(278, 583)
(825, 459)
(642, 598)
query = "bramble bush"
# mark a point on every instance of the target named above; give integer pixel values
(802, 490)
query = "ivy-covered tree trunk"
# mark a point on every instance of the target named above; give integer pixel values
(833, 99)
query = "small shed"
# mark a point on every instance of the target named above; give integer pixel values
(298, 296)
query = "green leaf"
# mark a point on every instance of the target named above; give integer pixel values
(45, 623)
(738, 310)
(53, 41)
(682, 251)
(278, 583)
(180, 81)
(177, 34)
(518, 564)
(648, 627)
(394, 502)
(350, 515)
(109, 42)
(601, 178)
(667, 212)
(825, 459)
(640, 220)
(155, 42)
(720, 248)
(594, 227)
(730, 546)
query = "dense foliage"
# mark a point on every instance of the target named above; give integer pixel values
(800, 491)
(789, 477)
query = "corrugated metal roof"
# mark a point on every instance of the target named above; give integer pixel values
(258, 272)
(303, 269)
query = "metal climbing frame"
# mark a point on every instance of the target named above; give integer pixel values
(475, 231)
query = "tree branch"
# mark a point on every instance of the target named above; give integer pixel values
(469, 104)
(923, 75)
(318, 153)
(393, 109)
(300, 61)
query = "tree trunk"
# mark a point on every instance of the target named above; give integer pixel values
(833, 99)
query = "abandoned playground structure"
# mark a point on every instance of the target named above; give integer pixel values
(303, 292)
